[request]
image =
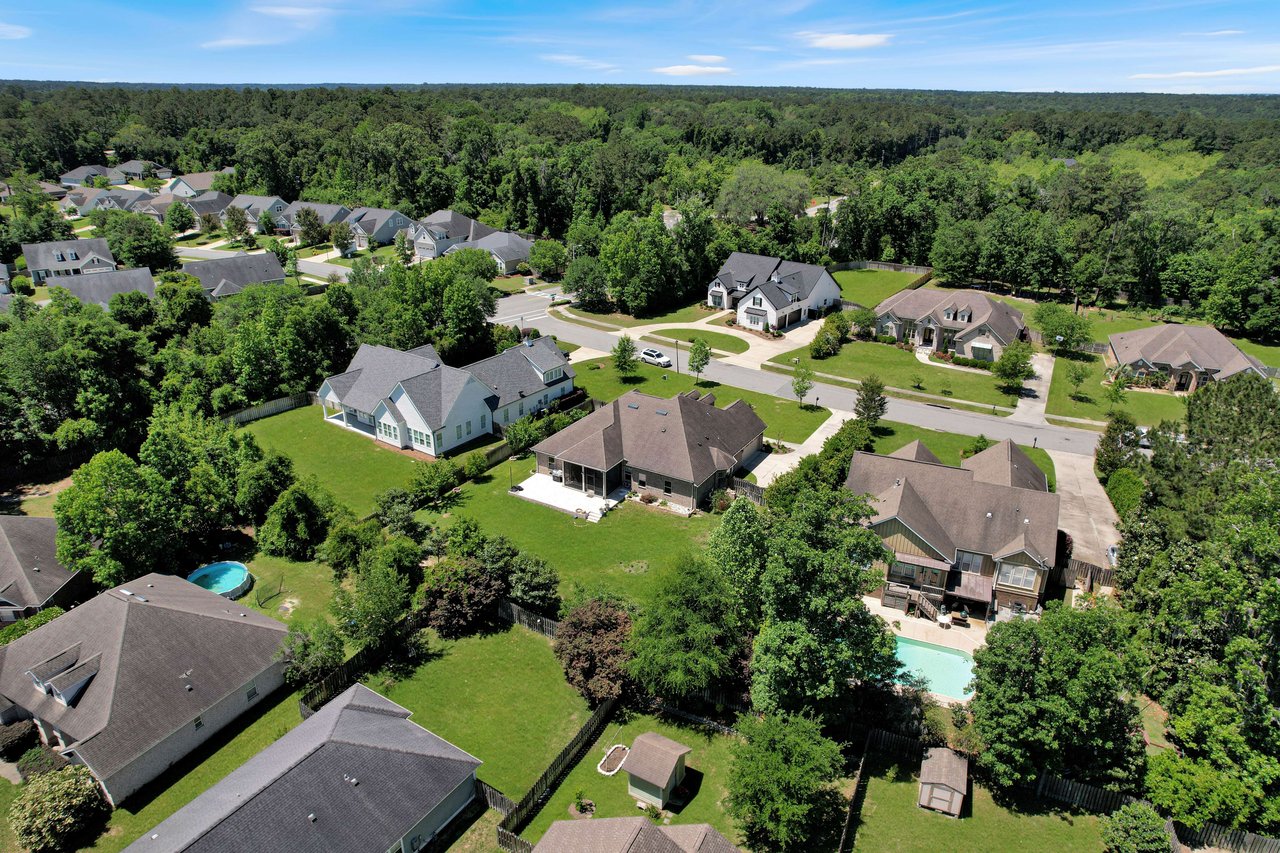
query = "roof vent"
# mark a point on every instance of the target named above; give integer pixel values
(1026, 521)
(633, 405)
(354, 781)
(140, 598)
(663, 412)
(125, 591)
(988, 515)
(190, 688)
(897, 482)
(151, 586)
(312, 817)
(35, 568)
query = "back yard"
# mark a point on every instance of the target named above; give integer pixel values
(869, 288)
(893, 823)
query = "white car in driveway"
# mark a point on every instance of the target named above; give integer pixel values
(655, 357)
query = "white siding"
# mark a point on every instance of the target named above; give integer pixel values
(439, 817)
(744, 319)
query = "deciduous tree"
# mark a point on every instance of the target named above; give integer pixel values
(591, 644)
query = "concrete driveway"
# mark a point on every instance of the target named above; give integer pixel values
(1086, 512)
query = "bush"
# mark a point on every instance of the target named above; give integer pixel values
(964, 361)
(433, 482)
(591, 644)
(475, 465)
(886, 339)
(22, 286)
(825, 344)
(534, 584)
(1125, 487)
(39, 759)
(54, 810)
(462, 595)
(22, 627)
(1134, 828)
(17, 738)
(720, 501)
(296, 523)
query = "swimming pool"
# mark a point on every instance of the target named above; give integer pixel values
(948, 671)
(228, 578)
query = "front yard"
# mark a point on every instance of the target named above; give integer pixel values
(948, 446)
(869, 288)
(383, 253)
(501, 697)
(899, 368)
(687, 314)
(892, 822)
(707, 777)
(784, 419)
(1147, 407)
(715, 340)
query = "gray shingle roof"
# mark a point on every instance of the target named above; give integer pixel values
(502, 244)
(653, 758)
(97, 289)
(942, 766)
(154, 643)
(1004, 321)
(209, 201)
(29, 569)
(400, 770)
(225, 276)
(374, 373)
(328, 213)
(201, 181)
(782, 282)
(631, 835)
(684, 437)
(83, 173)
(369, 219)
(435, 392)
(449, 225)
(517, 371)
(1172, 346)
(254, 205)
(126, 199)
(998, 496)
(41, 256)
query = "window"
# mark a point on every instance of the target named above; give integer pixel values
(967, 561)
(946, 315)
(57, 256)
(252, 693)
(468, 427)
(756, 302)
(1023, 577)
(754, 320)
(640, 479)
(506, 416)
(72, 254)
(666, 487)
(459, 430)
(484, 421)
(199, 722)
(522, 408)
(439, 438)
(902, 571)
(551, 461)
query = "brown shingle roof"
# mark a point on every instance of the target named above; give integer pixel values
(653, 758)
(1002, 319)
(631, 835)
(29, 569)
(942, 766)
(1174, 346)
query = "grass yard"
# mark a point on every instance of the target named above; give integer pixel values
(8, 793)
(623, 553)
(784, 419)
(871, 287)
(501, 697)
(312, 251)
(948, 446)
(274, 716)
(199, 239)
(687, 314)
(308, 587)
(383, 253)
(893, 823)
(707, 777)
(899, 368)
(1147, 407)
(716, 340)
(506, 284)
(352, 466)
(1268, 355)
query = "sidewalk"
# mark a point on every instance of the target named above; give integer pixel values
(775, 465)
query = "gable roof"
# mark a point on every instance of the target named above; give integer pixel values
(359, 765)
(1004, 321)
(97, 289)
(684, 437)
(1176, 345)
(209, 201)
(984, 506)
(653, 758)
(125, 199)
(30, 573)
(135, 166)
(200, 181)
(169, 650)
(942, 766)
(433, 394)
(254, 205)
(40, 256)
(328, 213)
(781, 282)
(501, 244)
(227, 276)
(517, 371)
(83, 173)
(370, 219)
(631, 835)
(375, 371)
(450, 225)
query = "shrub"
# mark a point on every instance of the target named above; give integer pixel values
(462, 595)
(1125, 487)
(296, 523)
(475, 465)
(39, 759)
(22, 627)
(591, 644)
(976, 446)
(433, 482)
(534, 584)
(825, 345)
(720, 500)
(886, 339)
(17, 738)
(965, 361)
(55, 809)
(22, 286)
(1134, 828)
(311, 652)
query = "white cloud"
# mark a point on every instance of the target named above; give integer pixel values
(1217, 33)
(705, 58)
(300, 16)
(692, 70)
(844, 41)
(1220, 72)
(575, 61)
(763, 48)
(229, 43)
(13, 31)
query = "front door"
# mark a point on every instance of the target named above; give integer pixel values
(1184, 381)
(926, 337)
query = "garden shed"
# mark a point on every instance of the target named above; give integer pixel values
(655, 766)
(944, 779)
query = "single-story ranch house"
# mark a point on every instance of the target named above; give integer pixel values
(357, 775)
(83, 176)
(434, 234)
(631, 835)
(196, 182)
(228, 276)
(507, 250)
(982, 535)
(138, 676)
(970, 324)
(1184, 356)
(137, 170)
(31, 578)
(256, 205)
(413, 400)
(67, 257)
(328, 214)
(99, 288)
(679, 449)
(376, 226)
(770, 293)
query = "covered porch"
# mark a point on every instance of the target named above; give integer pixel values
(343, 417)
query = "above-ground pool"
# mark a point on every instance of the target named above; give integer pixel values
(228, 578)
(948, 671)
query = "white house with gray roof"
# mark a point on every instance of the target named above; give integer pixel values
(770, 293)
(327, 213)
(255, 205)
(507, 250)
(357, 775)
(137, 677)
(83, 176)
(413, 400)
(969, 324)
(376, 226)
(437, 233)
(60, 258)
(197, 182)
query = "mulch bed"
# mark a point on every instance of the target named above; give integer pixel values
(613, 760)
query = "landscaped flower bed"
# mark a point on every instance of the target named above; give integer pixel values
(612, 761)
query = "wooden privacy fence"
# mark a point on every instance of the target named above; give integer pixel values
(1212, 835)
(494, 798)
(1080, 795)
(747, 489)
(515, 614)
(271, 407)
(1037, 337)
(1085, 575)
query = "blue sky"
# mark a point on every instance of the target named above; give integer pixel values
(1088, 45)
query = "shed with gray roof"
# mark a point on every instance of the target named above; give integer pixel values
(655, 767)
(944, 781)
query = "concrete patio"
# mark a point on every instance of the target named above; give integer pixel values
(542, 489)
(967, 640)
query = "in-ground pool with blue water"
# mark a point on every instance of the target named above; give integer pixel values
(948, 671)
(227, 578)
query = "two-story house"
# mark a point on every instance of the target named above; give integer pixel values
(376, 226)
(969, 324)
(770, 293)
(983, 535)
(435, 234)
(255, 205)
(327, 213)
(67, 257)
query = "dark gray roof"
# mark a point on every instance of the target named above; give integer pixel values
(155, 640)
(204, 180)
(683, 437)
(517, 371)
(209, 201)
(370, 219)
(942, 766)
(653, 758)
(40, 256)
(502, 244)
(998, 503)
(1173, 346)
(359, 765)
(135, 167)
(328, 213)
(84, 173)
(226, 276)
(254, 205)
(126, 199)
(97, 289)
(781, 282)
(631, 835)
(1004, 321)
(450, 225)
(435, 393)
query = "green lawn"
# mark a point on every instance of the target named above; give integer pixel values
(1147, 407)
(508, 284)
(384, 253)
(948, 446)
(871, 287)
(707, 777)
(1268, 355)
(716, 340)
(199, 239)
(687, 314)
(784, 419)
(352, 466)
(274, 716)
(624, 552)
(893, 823)
(501, 697)
(8, 793)
(899, 368)
(307, 587)
(312, 251)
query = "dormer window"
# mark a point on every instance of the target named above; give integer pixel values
(947, 314)
(57, 256)
(74, 256)
(553, 375)
(964, 317)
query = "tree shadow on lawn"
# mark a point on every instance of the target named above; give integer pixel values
(633, 379)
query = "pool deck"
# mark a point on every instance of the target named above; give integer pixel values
(966, 640)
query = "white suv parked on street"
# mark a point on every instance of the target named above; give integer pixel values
(655, 357)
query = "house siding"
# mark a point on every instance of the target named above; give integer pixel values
(645, 792)
(439, 817)
(899, 538)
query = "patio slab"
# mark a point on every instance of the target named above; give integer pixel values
(542, 489)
